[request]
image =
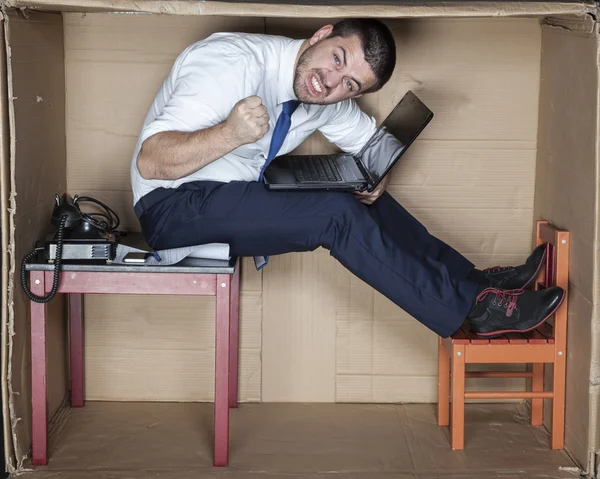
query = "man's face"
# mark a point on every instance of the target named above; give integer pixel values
(332, 69)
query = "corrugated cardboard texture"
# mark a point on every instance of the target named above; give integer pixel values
(566, 195)
(38, 171)
(469, 178)
(464, 153)
(326, 336)
(142, 348)
(315, 441)
(314, 8)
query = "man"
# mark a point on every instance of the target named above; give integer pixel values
(198, 163)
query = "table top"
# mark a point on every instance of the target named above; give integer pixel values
(187, 265)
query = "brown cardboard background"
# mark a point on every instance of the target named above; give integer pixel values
(566, 194)
(114, 66)
(477, 156)
(290, 441)
(315, 8)
(38, 159)
(360, 385)
(465, 163)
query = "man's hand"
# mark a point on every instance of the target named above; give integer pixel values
(248, 121)
(369, 198)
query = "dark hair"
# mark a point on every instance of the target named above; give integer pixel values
(377, 43)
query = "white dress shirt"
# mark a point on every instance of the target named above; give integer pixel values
(212, 75)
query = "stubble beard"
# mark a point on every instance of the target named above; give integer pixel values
(302, 72)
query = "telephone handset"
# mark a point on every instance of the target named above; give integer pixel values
(79, 236)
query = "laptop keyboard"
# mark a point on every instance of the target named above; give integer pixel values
(315, 168)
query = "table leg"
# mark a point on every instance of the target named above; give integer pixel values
(234, 337)
(76, 348)
(39, 444)
(222, 359)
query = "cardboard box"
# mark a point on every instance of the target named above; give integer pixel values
(515, 90)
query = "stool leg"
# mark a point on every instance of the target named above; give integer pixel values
(234, 337)
(76, 348)
(558, 402)
(537, 385)
(39, 443)
(457, 425)
(222, 371)
(443, 385)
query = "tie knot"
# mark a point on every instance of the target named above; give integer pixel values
(290, 106)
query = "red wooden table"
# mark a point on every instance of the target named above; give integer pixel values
(192, 276)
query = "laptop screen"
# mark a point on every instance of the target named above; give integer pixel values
(395, 135)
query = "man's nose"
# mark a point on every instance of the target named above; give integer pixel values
(333, 79)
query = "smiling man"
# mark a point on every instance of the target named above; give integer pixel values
(234, 100)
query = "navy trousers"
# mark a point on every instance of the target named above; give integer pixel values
(381, 243)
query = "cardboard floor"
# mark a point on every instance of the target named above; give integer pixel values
(333, 441)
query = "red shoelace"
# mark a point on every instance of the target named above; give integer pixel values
(496, 269)
(504, 297)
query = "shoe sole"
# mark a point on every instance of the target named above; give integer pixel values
(537, 271)
(494, 334)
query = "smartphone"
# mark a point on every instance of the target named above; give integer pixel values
(135, 257)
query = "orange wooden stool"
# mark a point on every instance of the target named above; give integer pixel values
(546, 344)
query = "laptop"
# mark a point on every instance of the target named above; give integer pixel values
(363, 172)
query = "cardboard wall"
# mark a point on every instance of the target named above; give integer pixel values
(469, 178)
(310, 330)
(319, 9)
(566, 194)
(38, 169)
(141, 347)
(5, 222)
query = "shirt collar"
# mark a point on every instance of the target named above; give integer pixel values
(285, 77)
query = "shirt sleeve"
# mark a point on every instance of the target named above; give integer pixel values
(182, 112)
(193, 96)
(348, 127)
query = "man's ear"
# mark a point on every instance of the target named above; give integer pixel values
(321, 33)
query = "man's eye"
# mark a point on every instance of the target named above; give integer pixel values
(349, 85)
(336, 59)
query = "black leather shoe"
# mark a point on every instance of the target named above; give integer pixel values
(498, 311)
(514, 277)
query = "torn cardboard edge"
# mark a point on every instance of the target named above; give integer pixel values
(594, 408)
(581, 24)
(5, 176)
(287, 8)
(8, 153)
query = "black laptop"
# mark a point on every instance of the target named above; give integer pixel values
(364, 171)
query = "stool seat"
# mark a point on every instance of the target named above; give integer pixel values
(186, 265)
(136, 240)
(540, 335)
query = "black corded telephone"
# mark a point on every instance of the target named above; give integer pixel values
(79, 236)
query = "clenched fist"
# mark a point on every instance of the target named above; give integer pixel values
(248, 121)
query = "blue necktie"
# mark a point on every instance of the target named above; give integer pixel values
(281, 129)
